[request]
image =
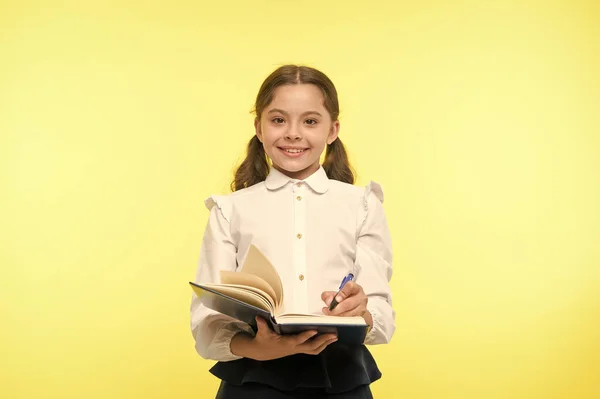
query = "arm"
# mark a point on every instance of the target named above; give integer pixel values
(374, 262)
(370, 296)
(213, 331)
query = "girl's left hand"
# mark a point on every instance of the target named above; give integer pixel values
(352, 301)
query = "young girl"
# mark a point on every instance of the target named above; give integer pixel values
(315, 227)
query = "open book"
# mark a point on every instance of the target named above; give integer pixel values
(256, 290)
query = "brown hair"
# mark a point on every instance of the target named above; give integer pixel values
(255, 167)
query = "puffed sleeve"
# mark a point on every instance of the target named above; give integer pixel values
(374, 264)
(213, 331)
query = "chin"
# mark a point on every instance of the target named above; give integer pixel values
(293, 167)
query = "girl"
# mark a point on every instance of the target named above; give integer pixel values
(315, 227)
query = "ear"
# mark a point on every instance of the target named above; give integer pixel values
(333, 132)
(257, 129)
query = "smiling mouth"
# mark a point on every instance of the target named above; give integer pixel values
(293, 150)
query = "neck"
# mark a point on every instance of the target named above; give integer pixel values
(301, 174)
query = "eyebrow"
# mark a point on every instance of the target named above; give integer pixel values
(275, 110)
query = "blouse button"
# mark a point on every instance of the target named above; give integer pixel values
(301, 277)
(299, 235)
(299, 198)
(299, 184)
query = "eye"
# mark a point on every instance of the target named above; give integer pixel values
(278, 120)
(311, 121)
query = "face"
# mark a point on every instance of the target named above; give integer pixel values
(295, 128)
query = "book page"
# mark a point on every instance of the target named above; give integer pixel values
(251, 281)
(257, 263)
(292, 318)
(258, 291)
(244, 295)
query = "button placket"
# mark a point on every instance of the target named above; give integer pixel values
(299, 248)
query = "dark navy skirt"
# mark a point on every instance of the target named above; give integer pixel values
(340, 371)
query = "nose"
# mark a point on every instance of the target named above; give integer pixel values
(293, 134)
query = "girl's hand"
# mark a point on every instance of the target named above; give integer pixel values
(352, 301)
(268, 345)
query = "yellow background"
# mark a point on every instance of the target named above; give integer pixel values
(480, 119)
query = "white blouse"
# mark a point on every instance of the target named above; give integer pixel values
(314, 232)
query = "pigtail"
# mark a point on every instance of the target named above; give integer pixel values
(336, 163)
(254, 168)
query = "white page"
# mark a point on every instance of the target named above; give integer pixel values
(257, 263)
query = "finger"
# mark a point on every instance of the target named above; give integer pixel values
(260, 322)
(321, 347)
(316, 342)
(342, 308)
(263, 327)
(357, 311)
(327, 296)
(346, 306)
(304, 336)
(347, 291)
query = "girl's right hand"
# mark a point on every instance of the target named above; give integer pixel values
(268, 345)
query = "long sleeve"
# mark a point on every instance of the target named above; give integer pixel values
(374, 262)
(213, 331)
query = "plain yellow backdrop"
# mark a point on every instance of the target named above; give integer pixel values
(479, 118)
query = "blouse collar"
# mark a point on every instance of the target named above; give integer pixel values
(318, 181)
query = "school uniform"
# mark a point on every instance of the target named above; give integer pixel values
(314, 232)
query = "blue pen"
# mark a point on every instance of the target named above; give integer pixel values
(346, 279)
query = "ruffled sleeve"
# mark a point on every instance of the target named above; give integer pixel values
(374, 264)
(213, 331)
(223, 204)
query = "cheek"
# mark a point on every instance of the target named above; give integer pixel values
(268, 140)
(319, 140)
(267, 136)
